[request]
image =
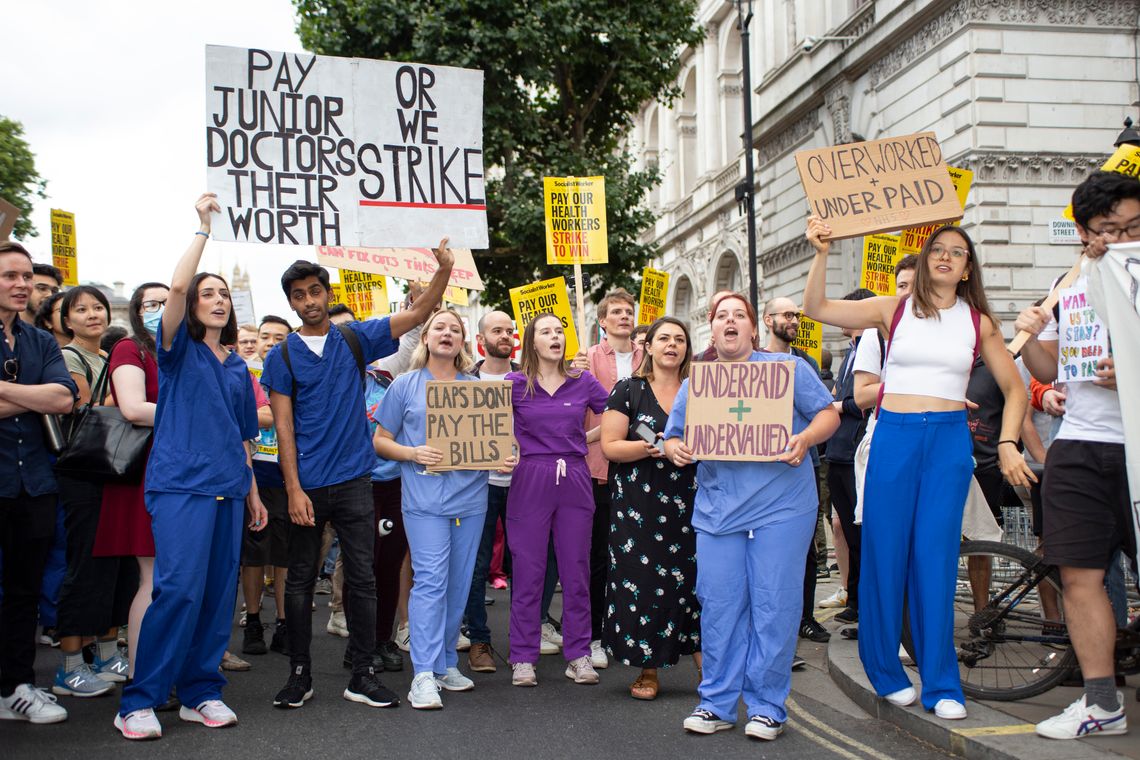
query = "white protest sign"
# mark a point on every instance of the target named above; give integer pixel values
(242, 301)
(1083, 338)
(318, 150)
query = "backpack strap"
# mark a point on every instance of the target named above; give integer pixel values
(86, 366)
(350, 338)
(292, 378)
(976, 318)
(899, 310)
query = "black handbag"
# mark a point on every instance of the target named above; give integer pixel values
(102, 445)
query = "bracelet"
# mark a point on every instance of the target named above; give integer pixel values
(999, 443)
(203, 234)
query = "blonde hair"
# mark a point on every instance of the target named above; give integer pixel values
(463, 361)
(528, 355)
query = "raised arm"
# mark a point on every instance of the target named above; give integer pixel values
(423, 306)
(870, 312)
(175, 309)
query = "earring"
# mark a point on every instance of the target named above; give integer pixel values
(965, 276)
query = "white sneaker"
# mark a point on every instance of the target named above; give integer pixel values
(763, 727)
(404, 638)
(551, 641)
(705, 722)
(950, 709)
(462, 644)
(425, 692)
(31, 704)
(904, 697)
(582, 670)
(1081, 719)
(212, 713)
(598, 655)
(838, 599)
(139, 725)
(522, 674)
(453, 680)
(904, 656)
(338, 625)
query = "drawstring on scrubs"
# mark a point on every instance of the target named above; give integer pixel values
(560, 470)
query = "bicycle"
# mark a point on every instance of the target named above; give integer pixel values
(1017, 645)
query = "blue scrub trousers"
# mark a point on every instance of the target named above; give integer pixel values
(443, 556)
(185, 631)
(750, 585)
(918, 475)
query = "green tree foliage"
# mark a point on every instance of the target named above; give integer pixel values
(19, 181)
(562, 82)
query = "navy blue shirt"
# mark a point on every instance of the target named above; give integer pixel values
(205, 414)
(330, 427)
(24, 461)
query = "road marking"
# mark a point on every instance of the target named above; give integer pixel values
(805, 715)
(823, 617)
(804, 730)
(1017, 728)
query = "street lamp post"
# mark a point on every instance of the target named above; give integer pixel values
(745, 191)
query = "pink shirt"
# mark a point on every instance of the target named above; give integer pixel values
(603, 366)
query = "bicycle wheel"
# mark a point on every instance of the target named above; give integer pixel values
(1010, 649)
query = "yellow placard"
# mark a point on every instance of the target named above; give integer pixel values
(336, 294)
(456, 295)
(880, 256)
(1126, 160)
(365, 293)
(809, 339)
(575, 220)
(545, 295)
(63, 251)
(912, 239)
(651, 304)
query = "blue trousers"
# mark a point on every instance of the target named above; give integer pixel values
(750, 585)
(443, 556)
(197, 542)
(918, 475)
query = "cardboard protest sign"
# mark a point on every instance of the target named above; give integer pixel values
(575, 220)
(472, 423)
(63, 249)
(913, 238)
(809, 339)
(545, 295)
(365, 293)
(880, 256)
(651, 304)
(242, 301)
(1126, 160)
(8, 216)
(1083, 339)
(317, 150)
(739, 411)
(879, 186)
(403, 263)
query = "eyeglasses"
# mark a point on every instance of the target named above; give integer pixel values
(938, 250)
(43, 287)
(151, 307)
(11, 370)
(1132, 230)
(792, 316)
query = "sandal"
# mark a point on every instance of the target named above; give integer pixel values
(645, 687)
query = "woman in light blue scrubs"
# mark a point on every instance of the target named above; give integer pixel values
(197, 477)
(443, 512)
(753, 522)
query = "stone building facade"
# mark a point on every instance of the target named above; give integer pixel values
(1028, 94)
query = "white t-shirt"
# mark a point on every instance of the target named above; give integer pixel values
(868, 355)
(496, 478)
(316, 343)
(624, 364)
(1092, 413)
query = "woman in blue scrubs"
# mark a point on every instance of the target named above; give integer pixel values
(753, 522)
(197, 477)
(443, 512)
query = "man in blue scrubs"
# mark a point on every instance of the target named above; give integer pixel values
(326, 457)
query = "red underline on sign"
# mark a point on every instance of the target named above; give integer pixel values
(389, 204)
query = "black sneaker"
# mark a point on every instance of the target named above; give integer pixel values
(388, 656)
(848, 615)
(298, 689)
(811, 629)
(280, 641)
(763, 727)
(253, 639)
(367, 689)
(798, 663)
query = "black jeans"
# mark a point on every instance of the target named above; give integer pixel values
(841, 479)
(599, 557)
(348, 506)
(27, 531)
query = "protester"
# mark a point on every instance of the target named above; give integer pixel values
(247, 342)
(33, 381)
(124, 525)
(97, 592)
(1086, 510)
(754, 521)
(652, 617)
(47, 318)
(550, 495)
(315, 378)
(921, 454)
(612, 359)
(638, 336)
(46, 282)
(196, 476)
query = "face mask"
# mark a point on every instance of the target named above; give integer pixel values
(151, 320)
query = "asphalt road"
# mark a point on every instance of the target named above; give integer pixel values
(559, 719)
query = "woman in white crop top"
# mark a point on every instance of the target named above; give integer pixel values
(921, 456)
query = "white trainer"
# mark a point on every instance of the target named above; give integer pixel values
(551, 641)
(337, 625)
(462, 644)
(424, 694)
(838, 599)
(453, 680)
(904, 697)
(950, 709)
(33, 705)
(404, 637)
(582, 670)
(1082, 719)
(598, 655)
(213, 713)
(522, 674)
(139, 725)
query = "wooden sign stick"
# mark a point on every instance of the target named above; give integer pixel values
(583, 336)
(1050, 301)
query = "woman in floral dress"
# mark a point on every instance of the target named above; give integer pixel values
(652, 616)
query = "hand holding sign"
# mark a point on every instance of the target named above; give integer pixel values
(818, 234)
(443, 256)
(428, 456)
